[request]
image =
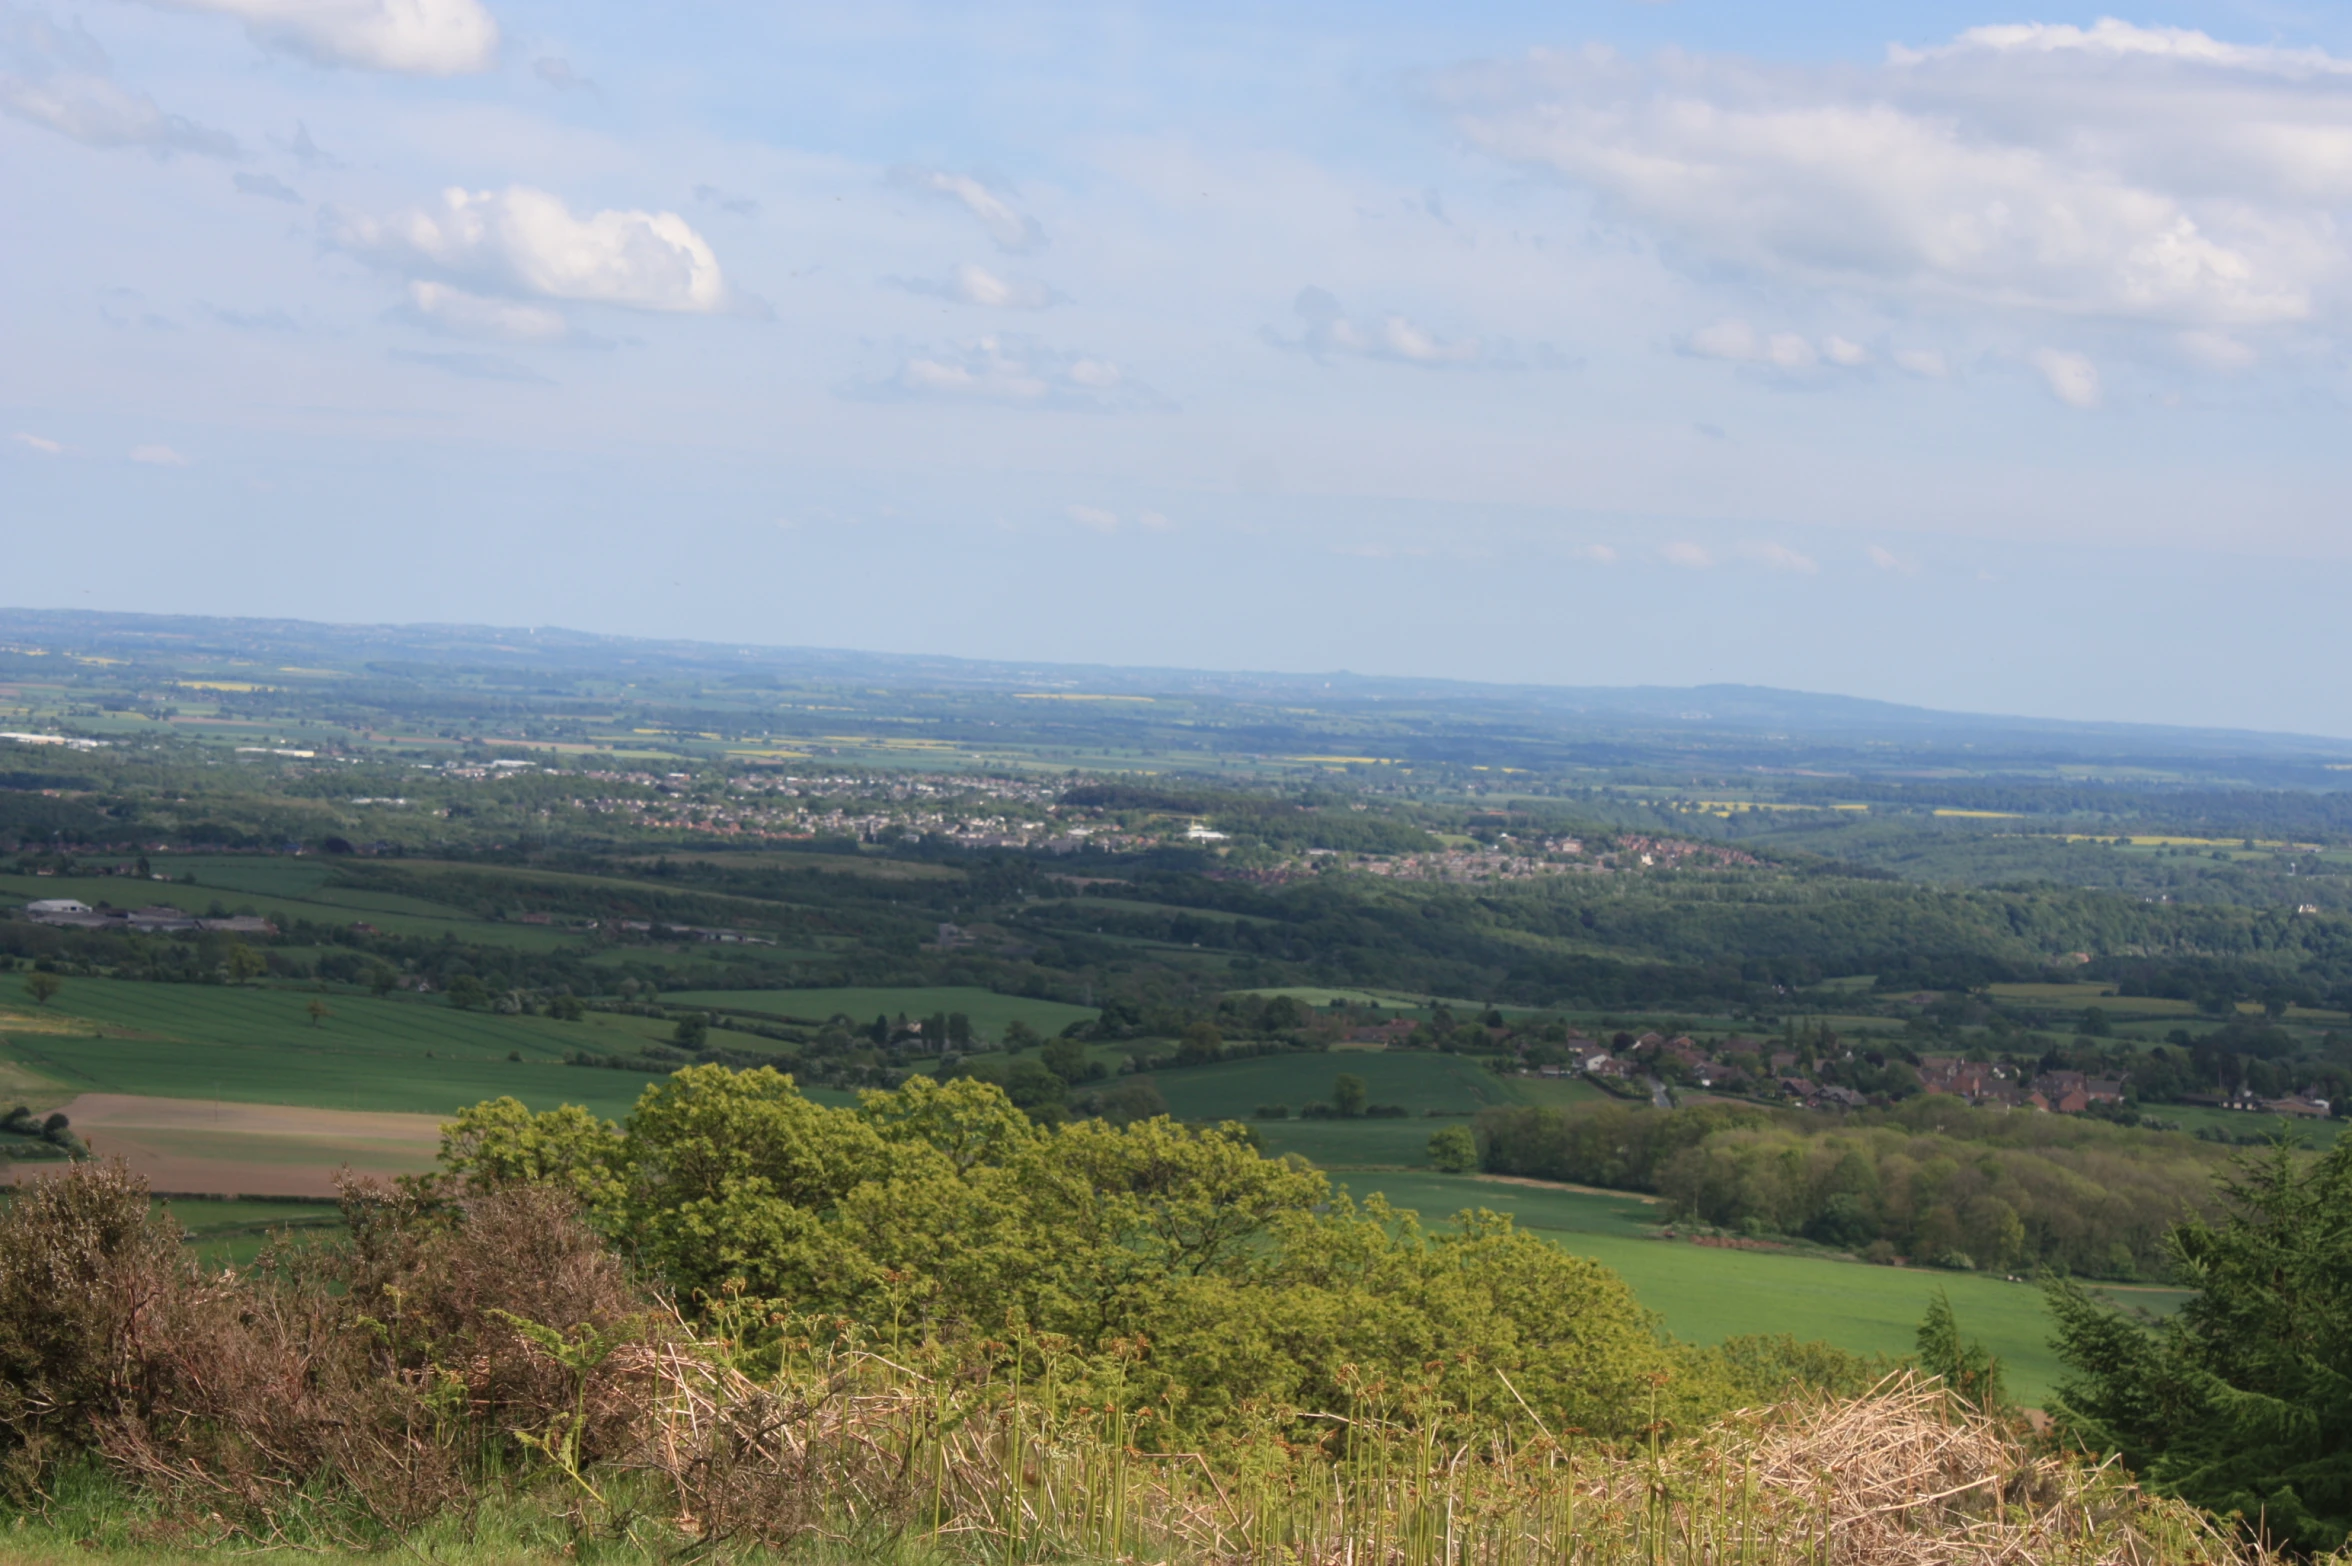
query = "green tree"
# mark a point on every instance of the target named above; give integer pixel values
(1969, 1371)
(381, 980)
(1066, 1059)
(466, 992)
(2242, 1400)
(1018, 1036)
(1200, 1045)
(959, 1029)
(1349, 1094)
(1453, 1150)
(43, 987)
(692, 1031)
(245, 964)
(318, 1011)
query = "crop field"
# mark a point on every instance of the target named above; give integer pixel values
(1706, 1294)
(988, 1010)
(257, 1045)
(185, 1144)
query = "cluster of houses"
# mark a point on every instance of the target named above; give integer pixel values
(1757, 1069)
(73, 913)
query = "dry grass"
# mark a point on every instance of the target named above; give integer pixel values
(481, 1380)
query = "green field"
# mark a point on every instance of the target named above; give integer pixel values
(287, 887)
(1419, 1080)
(1705, 1294)
(231, 1233)
(988, 1010)
(256, 1045)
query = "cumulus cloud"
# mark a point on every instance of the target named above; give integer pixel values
(976, 285)
(2156, 175)
(527, 242)
(1327, 332)
(1012, 230)
(418, 37)
(1741, 343)
(1779, 557)
(1887, 560)
(441, 308)
(1773, 557)
(1926, 363)
(2073, 379)
(267, 186)
(1094, 517)
(1598, 554)
(1012, 371)
(60, 79)
(40, 443)
(158, 457)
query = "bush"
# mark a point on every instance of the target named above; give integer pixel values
(1453, 1150)
(81, 1259)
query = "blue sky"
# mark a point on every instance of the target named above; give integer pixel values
(1987, 359)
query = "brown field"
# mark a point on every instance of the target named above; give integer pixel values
(224, 1149)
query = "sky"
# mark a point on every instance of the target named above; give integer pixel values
(1988, 359)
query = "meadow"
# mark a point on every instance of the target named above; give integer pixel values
(989, 1011)
(257, 1044)
(1706, 1294)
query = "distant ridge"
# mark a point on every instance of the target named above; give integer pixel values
(1651, 710)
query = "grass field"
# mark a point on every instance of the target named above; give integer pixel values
(293, 888)
(1706, 1294)
(1420, 1081)
(988, 1010)
(2313, 1133)
(256, 1045)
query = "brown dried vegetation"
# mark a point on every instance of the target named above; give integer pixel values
(489, 1351)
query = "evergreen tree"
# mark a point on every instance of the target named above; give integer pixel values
(2241, 1403)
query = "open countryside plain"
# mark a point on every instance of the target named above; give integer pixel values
(233, 1089)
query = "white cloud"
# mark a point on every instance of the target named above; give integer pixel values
(1094, 517)
(1013, 371)
(61, 80)
(439, 307)
(1329, 333)
(1779, 557)
(1887, 560)
(158, 457)
(1687, 555)
(1598, 554)
(1153, 521)
(2147, 174)
(525, 241)
(1739, 343)
(976, 285)
(2073, 379)
(40, 443)
(1926, 363)
(420, 37)
(1013, 230)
